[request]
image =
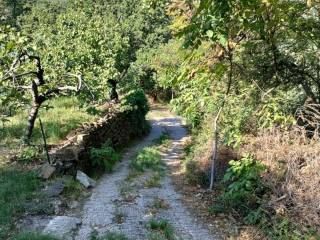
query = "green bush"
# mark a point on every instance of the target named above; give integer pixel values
(105, 157)
(136, 100)
(244, 185)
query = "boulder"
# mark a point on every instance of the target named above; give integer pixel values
(46, 171)
(85, 180)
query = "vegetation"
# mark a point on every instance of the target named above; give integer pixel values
(105, 157)
(17, 188)
(34, 236)
(160, 230)
(245, 75)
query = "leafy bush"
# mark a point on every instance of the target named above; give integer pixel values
(105, 157)
(244, 185)
(136, 100)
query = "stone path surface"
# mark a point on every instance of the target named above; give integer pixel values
(106, 211)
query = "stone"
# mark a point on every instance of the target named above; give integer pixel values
(55, 189)
(46, 171)
(62, 226)
(85, 180)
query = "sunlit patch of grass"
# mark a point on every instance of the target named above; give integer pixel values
(60, 117)
(16, 188)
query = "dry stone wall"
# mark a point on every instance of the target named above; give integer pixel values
(117, 126)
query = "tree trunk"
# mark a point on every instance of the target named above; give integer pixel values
(31, 120)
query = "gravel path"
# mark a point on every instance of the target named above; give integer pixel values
(108, 211)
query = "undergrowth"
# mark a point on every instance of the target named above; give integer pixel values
(104, 158)
(16, 188)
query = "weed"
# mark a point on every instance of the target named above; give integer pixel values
(147, 158)
(16, 188)
(110, 236)
(245, 187)
(72, 188)
(105, 157)
(162, 140)
(34, 236)
(119, 217)
(154, 180)
(29, 154)
(160, 229)
(159, 203)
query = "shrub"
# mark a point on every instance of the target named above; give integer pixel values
(105, 157)
(244, 185)
(136, 100)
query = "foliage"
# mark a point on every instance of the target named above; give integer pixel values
(16, 188)
(105, 157)
(136, 100)
(244, 186)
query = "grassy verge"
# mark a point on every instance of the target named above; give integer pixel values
(34, 236)
(59, 117)
(17, 187)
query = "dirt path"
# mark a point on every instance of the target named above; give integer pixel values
(107, 210)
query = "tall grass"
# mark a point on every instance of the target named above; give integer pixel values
(59, 117)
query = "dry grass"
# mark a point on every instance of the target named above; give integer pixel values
(294, 163)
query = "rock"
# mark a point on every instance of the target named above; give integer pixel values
(62, 226)
(55, 189)
(46, 171)
(85, 180)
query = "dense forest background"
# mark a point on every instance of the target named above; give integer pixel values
(245, 75)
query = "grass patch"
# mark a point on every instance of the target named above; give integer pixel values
(154, 180)
(160, 230)
(60, 117)
(73, 189)
(34, 236)
(147, 158)
(16, 188)
(119, 216)
(110, 236)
